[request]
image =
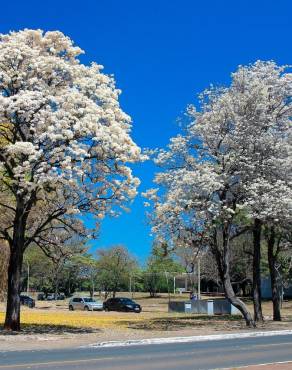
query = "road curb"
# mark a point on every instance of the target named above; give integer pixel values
(266, 365)
(197, 338)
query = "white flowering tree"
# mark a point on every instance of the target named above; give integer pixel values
(260, 107)
(231, 170)
(197, 207)
(64, 146)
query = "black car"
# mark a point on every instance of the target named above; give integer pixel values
(27, 301)
(121, 304)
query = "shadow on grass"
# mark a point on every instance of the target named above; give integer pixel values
(43, 308)
(184, 322)
(49, 329)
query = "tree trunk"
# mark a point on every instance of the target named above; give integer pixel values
(92, 288)
(257, 294)
(56, 286)
(69, 284)
(236, 302)
(12, 320)
(91, 291)
(272, 258)
(223, 263)
(58, 267)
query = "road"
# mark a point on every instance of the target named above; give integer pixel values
(177, 356)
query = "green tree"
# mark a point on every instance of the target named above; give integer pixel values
(87, 271)
(115, 266)
(161, 267)
(40, 269)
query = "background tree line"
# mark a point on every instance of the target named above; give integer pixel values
(115, 269)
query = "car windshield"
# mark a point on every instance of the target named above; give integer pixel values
(88, 300)
(127, 301)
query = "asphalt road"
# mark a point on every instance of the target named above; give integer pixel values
(178, 356)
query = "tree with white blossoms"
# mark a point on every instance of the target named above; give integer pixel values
(231, 164)
(259, 107)
(198, 207)
(64, 145)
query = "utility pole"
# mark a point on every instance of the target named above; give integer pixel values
(174, 285)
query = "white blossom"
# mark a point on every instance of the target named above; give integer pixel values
(65, 143)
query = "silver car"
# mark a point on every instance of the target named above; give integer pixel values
(85, 304)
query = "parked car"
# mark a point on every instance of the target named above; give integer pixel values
(86, 304)
(41, 296)
(27, 301)
(55, 296)
(60, 296)
(122, 304)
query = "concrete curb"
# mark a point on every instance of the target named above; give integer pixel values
(197, 338)
(258, 366)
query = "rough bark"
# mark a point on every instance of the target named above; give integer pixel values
(236, 302)
(17, 246)
(12, 319)
(257, 294)
(272, 259)
(223, 263)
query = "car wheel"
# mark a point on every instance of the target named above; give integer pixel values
(71, 308)
(106, 309)
(86, 308)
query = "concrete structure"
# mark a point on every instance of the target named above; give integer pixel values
(204, 306)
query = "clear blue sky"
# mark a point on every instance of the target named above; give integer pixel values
(162, 53)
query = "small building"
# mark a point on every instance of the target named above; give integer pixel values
(267, 290)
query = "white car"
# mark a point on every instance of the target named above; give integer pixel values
(85, 304)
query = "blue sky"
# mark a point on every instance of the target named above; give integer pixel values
(162, 53)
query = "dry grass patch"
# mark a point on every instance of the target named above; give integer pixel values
(60, 321)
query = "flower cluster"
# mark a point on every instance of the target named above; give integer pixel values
(233, 159)
(62, 130)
